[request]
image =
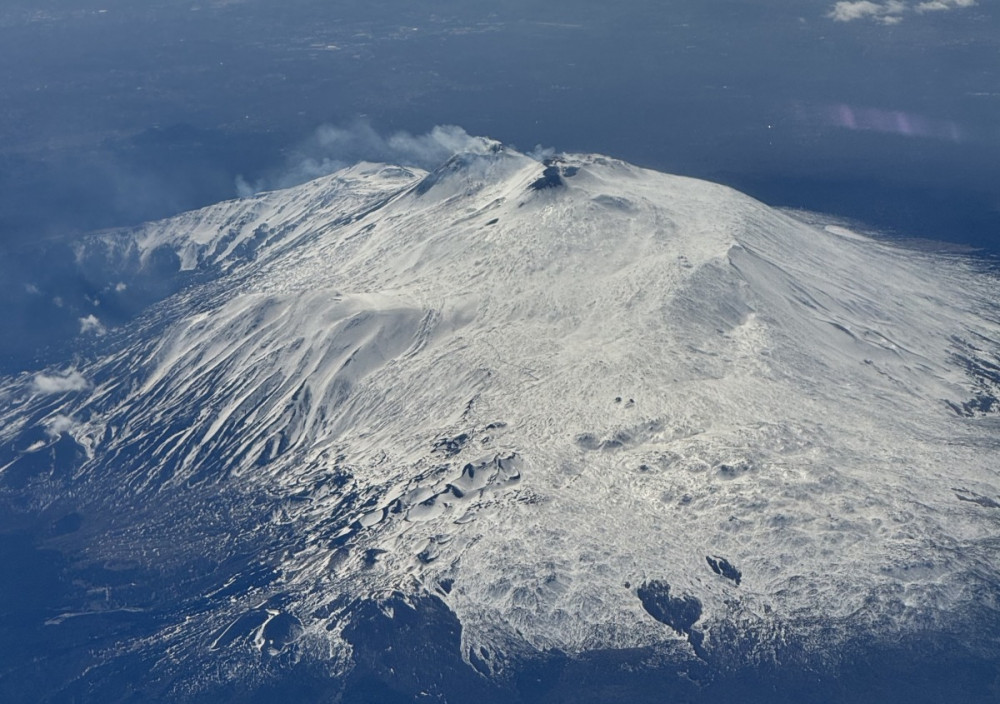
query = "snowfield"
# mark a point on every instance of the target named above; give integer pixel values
(580, 405)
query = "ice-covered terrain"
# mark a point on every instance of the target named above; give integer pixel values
(510, 411)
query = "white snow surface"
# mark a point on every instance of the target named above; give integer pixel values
(648, 370)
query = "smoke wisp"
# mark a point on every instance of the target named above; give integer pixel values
(332, 148)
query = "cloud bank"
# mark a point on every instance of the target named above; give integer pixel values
(890, 11)
(333, 148)
(71, 380)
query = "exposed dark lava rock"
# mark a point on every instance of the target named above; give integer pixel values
(451, 446)
(403, 646)
(974, 498)
(680, 612)
(723, 567)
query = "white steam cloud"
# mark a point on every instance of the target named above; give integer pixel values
(333, 148)
(91, 325)
(65, 382)
(57, 425)
(890, 11)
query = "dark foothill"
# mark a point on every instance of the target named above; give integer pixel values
(402, 646)
(620, 439)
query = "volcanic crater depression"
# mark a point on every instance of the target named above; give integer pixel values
(508, 410)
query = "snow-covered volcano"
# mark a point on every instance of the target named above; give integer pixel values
(420, 429)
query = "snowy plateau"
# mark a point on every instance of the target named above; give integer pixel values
(512, 430)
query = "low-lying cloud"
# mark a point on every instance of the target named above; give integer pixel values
(65, 382)
(332, 148)
(890, 11)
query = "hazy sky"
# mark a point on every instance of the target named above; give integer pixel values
(117, 111)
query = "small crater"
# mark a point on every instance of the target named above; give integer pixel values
(614, 202)
(550, 178)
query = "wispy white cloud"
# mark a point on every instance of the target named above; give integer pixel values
(57, 425)
(332, 148)
(890, 11)
(60, 383)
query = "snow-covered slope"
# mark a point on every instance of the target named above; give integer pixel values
(582, 405)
